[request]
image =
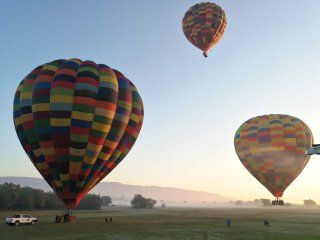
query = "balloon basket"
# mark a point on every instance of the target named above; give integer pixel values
(278, 202)
(66, 216)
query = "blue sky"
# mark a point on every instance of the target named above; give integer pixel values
(266, 62)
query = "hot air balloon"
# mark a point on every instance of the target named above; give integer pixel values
(204, 24)
(76, 120)
(272, 148)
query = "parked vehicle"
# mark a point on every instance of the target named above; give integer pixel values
(17, 219)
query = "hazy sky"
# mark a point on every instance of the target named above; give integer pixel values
(266, 62)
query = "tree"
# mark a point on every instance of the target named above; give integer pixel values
(90, 202)
(265, 202)
(14, 197)
(249, 203)
(139, 201)
(309, 203)
(238, 202)
(52, 201)
(106, 200)
(151, 202)
(257, 202)
(9, 193)
(39, 198)
(25, 200)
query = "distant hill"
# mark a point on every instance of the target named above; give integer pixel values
(123, 193)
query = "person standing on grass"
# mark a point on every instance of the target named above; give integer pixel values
(228, 222)
(266, 223)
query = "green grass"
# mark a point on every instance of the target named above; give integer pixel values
(172, 223)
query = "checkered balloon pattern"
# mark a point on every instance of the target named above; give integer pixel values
(272, 148)
(76, 120)
(204, 24)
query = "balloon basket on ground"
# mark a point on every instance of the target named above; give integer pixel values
(278, 202)
(66, 216)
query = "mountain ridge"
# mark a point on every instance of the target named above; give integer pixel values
(123, 193)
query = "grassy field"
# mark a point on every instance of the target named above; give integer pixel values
(172, 223)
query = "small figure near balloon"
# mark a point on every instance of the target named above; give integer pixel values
(266, 223)
(228, 222)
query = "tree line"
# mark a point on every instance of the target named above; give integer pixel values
(268, 202)
(15, 197)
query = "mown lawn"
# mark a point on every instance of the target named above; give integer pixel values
(173, 223)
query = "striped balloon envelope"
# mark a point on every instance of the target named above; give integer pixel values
(272, 148)
(204, 24)
(76, 120)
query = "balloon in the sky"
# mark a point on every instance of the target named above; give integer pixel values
(272, 148)
(76, 120)
(204, 24)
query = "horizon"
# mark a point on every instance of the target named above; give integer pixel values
(229, 201)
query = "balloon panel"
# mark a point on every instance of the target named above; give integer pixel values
(72, 117)
(272, 148)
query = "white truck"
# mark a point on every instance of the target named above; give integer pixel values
(17, 219)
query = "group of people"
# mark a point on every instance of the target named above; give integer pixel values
(266, 223)
(108, 219)
(62, 218)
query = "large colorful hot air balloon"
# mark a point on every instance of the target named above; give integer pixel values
(272, 148)
(76, 120)
(204, 24)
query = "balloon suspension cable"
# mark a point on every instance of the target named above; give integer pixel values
(205, 54)
(315, 149)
